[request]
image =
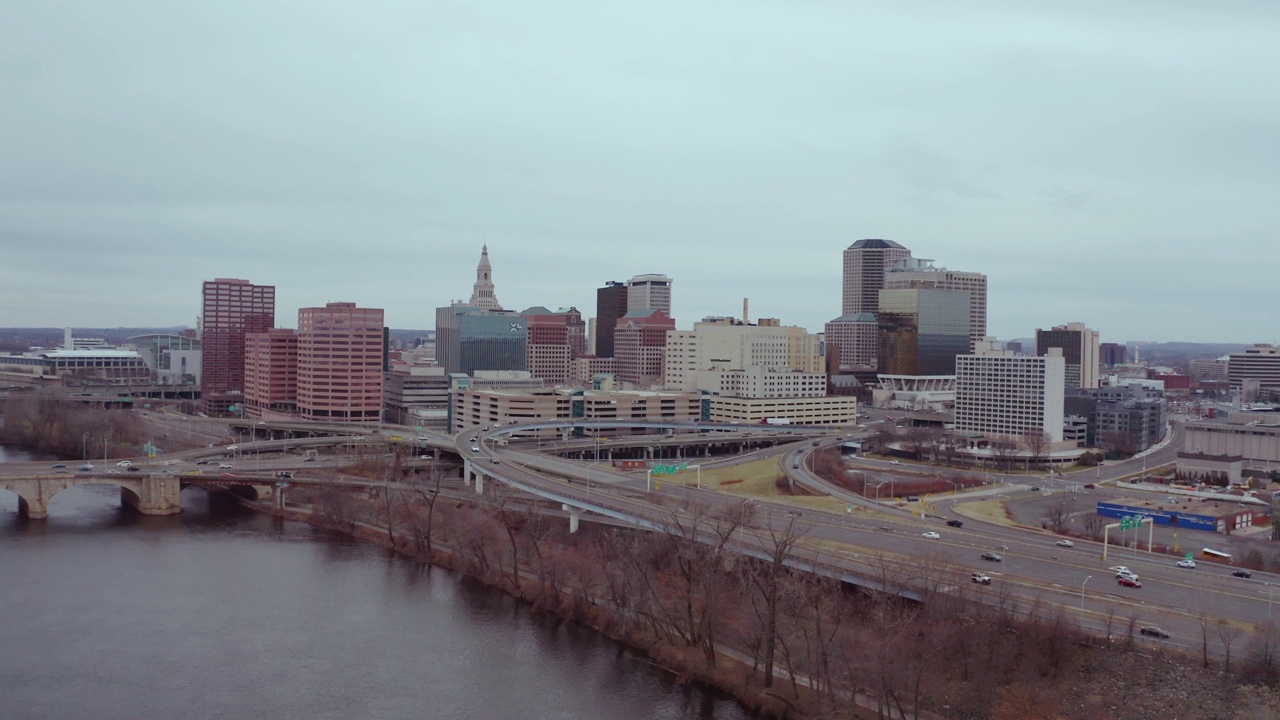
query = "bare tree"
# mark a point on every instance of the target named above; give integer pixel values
(764, 578)
(1055, 517)
(1228, 633)
(1093, 523)
(1037, 442)
(1004, 452)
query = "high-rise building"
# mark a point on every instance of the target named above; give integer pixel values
(482, 293)
(1259, 363)
(1079, 349)
(641, 346)
(469, 339)
(230, 309)
(652, 292)
(480, 335)
(1006, 396)
(271, 373)
(611, 304)
(554, 339)
(922, 331)
(854, 342)
(911, 273)
(1112, 354)
(865, 265)
(340, 363)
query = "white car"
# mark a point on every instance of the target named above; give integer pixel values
(931, 535)
(123, 463)
(1127, 574)
(894, 462)
(1065, 543)
(475, 449)
(1187, 563)
(1118, 568)
(232, 448)
(224, 466)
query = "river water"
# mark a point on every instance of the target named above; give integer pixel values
(221, 612)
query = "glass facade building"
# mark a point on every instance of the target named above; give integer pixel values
(922, 331)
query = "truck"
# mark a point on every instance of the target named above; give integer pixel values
(776, 421)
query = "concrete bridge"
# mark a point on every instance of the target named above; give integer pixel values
(148, 494)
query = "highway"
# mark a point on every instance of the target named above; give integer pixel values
(871, 542)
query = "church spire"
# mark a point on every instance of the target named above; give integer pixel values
(482, 294)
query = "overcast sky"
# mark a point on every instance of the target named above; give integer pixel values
(1114, 163)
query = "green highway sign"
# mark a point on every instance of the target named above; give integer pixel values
(668, 469)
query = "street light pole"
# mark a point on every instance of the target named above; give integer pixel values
(1086, 580)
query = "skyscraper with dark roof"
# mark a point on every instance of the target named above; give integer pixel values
(865, 263)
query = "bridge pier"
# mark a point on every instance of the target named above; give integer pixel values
(574, 515)
(466, 473)
(479, 483)
(33, 508)
(158, 495)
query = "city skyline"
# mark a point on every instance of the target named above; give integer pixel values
(1081, 158)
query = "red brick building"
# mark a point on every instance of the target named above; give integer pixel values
(340, 363)
(640, 346)
(553, 340)
(230, 310)
(271, 374)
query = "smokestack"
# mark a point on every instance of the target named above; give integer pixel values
(744, 311)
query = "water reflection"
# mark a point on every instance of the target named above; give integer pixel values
(221, 612)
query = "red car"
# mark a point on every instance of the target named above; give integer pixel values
(1089, 486)
(1129, 582)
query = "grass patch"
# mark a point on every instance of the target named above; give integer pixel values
(991, 511)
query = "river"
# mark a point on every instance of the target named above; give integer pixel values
(221, 612)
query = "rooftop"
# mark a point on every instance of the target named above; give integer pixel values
(875, 244)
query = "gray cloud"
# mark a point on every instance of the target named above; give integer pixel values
(1106, 163)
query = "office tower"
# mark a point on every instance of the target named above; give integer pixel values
(1002, 395)
(1112, 354)
(482, 293)
(1258, 363)
(922, 331)
(230, 309)
(470, 339)
(854, 342)
(611, 304)
(641, 345)
(554, 339)
(271, 373)
(865, 264)
(920, 273)
(651, 292)
(1079, 349)
(340, 361)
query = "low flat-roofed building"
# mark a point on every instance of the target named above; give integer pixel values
(1212, 469)
(416, 395)
(1255, 437)
(824, 411)
(477, 408)
(73, 367)
(1213, 516)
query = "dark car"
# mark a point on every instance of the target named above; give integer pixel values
(60, 466)
(1242, 573)
(1035, 489)
(202, 462)
(1129, 582)
(955, 523)
(284, 475)
(134, 468)
(1089, 486)
(1153, 631)
(991, 557)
